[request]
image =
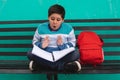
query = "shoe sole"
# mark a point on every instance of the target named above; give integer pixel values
(30, 65)
(79, 66)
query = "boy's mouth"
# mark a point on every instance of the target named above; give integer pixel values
(54, 26)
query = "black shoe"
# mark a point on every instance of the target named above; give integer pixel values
(33, 66)
(73, 66)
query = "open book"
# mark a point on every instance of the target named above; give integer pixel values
(56, 55)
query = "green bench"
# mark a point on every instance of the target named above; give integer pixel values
(16, 40)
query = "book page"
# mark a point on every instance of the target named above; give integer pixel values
(59, 54)
(42, 54)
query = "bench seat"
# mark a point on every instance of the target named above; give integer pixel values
(16, 40)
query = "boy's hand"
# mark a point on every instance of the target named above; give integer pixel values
(45, 42)
(59, 40)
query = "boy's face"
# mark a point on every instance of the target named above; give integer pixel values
(55, 21)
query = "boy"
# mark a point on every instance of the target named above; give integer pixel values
(55, 35)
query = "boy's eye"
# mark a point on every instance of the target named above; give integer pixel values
(58, 19)
(52, 18)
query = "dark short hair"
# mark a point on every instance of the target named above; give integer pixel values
(57, 9)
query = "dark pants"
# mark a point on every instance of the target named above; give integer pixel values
(58, 65)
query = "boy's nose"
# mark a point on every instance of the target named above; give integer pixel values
(55, 21)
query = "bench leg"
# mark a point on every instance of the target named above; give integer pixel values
(55, 77)
(52, 77)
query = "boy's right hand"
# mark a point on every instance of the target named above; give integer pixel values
(45, 42)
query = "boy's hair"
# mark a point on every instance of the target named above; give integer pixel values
(56, 9)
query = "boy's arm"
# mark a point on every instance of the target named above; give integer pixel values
(71, 41)
(36, 39)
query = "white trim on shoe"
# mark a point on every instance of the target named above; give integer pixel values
(31, 65)
(79, 66)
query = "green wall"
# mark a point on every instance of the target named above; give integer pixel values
(75, 9)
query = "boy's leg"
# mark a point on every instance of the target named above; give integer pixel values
(58, 65)
(42, 63)
(71, 57)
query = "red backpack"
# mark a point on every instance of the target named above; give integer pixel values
(90, 48)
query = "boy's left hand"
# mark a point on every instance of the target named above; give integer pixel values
(59, 40)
